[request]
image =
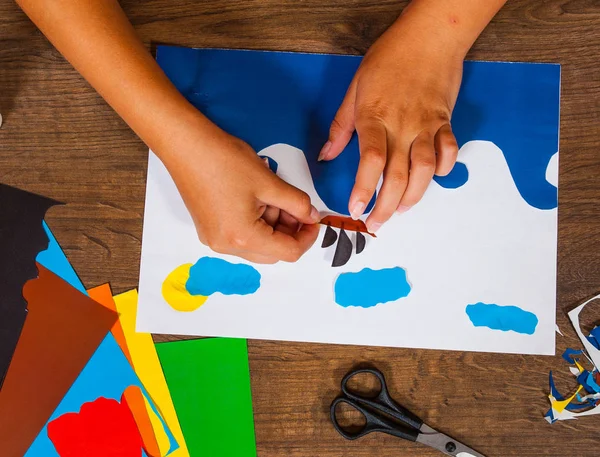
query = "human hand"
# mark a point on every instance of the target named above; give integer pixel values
(239, 206)
(400, 103)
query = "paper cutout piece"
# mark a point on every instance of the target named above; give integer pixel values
(209, 380)
(594, 337)
(361, 242)
(346, 223)
(22, 237)
(369, 287)
(63, 329)
(103, 427)
(147, 366)
(343, 250)
(210, 275)
(175, 293)
(103, 295)
(54, 259)
(558, 331)
(569, 353)
(145, 420)
(589, 347)
(329, 238)
(503, 318)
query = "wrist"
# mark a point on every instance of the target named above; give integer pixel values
(436, 31)
(176, 131)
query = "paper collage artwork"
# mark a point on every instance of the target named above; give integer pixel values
(477, 255)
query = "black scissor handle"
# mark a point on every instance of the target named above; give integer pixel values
(383, 401)
(374, 423)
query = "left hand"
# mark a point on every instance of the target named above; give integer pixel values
(400, 103)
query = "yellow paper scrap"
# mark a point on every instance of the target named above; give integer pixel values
(147, 367)
(559, 406)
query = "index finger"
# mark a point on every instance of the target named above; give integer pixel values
(372, 140)
(287, 247)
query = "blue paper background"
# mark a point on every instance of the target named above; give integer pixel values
(273, 97)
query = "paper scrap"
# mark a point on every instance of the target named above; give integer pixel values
(103, 295)
(147, 366)
(146, 421)
(62, 331)
(55, 260)
(577, 405)
(209, 380)
(103, 427)
(343, 250)
(329, 238)
(22, 237)
(592, 351)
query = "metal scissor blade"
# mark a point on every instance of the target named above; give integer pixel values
(444, 443)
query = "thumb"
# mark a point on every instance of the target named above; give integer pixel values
(291, 200)
(342, 127)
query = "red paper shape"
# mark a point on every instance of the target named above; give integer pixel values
(102, 428)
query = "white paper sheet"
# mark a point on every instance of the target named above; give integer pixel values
(478, 243)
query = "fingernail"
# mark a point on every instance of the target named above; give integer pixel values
(324, 151)
(373, 226)
(402, 209)
(357, 210)
(314, 214)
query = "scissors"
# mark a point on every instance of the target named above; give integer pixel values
(384, 415)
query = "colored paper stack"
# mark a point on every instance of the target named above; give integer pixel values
(78, 380)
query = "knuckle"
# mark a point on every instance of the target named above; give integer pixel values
(449, 144)
(425, 163)
(376, 110)
(397, 178)
(293, 254)
(304, 202)
(238, 242)
(228, 240)
(336, 127)
(438, 116)
(374, 157)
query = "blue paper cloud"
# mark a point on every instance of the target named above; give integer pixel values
(368, 287)
(503, 318)
(209, 275)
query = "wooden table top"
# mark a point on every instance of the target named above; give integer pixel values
(61, 140)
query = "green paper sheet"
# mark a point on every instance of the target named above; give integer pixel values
(209, 380)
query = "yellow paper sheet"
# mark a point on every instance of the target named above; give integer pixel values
(147, 366)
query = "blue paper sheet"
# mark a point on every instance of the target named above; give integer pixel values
(54, 259)
(255, 103)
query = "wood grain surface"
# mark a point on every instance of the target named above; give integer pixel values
(60, 139)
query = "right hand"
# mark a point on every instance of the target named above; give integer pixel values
(239, 206)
